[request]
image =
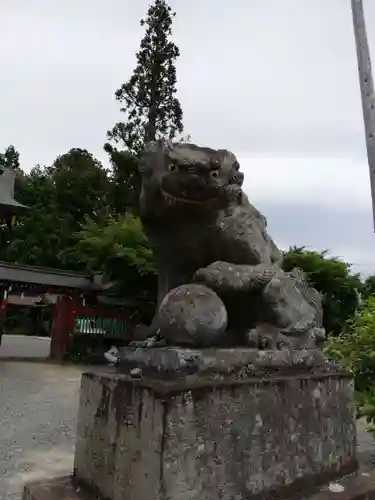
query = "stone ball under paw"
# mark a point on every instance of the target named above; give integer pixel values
(192, 315)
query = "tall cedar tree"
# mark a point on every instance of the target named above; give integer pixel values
(10, 158)
(149, 101)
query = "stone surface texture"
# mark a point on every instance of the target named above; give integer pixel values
(203, 230)
(204, 439)
(61, 488)
(359, 487)
(176, 363)
(192, 315)
(40, 443)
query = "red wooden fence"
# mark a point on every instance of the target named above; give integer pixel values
(73, 317)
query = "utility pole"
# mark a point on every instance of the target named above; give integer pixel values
(367, 89)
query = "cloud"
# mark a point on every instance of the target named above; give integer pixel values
(320, 203)
(273, 80)
(258, 78)
(333, 183)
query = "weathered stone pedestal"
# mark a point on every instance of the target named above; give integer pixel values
(216, 424)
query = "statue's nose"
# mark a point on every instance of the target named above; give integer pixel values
(193, 171)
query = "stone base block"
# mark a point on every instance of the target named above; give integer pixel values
(61, 488)
(176, 363)
(197, 438)
(361, 487)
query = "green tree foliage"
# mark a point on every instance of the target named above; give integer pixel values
(34, 239)
(333, 279)
(355, 350)
(125, 181)
(368, 288)
(60, 198)
(148, 98)
(10, 158)
(149, 102)
(119, 248)
(82, 186)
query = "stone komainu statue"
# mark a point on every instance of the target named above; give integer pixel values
(220, 280)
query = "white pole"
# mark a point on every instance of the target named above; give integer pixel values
(367, 90)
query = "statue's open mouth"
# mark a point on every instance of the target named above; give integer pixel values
(173, 200)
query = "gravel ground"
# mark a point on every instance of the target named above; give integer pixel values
(366, 444)
(38, 409)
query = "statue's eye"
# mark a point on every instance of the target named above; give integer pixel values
(172, 167)
(214, 173)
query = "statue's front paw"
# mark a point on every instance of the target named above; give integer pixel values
(225, 277)
(263, 336)
(200, 276)
(218, 276)
(206, 276)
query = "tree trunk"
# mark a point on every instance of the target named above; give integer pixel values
(367, 89)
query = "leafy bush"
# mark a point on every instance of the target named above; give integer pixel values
(355, 350)
(333, 279)
(118, 247)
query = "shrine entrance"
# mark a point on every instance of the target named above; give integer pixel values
(90, 323)
(26, 326)
(61, 306)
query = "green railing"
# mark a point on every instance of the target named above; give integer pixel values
(99, 326)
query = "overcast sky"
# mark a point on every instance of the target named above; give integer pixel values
(275, 81)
